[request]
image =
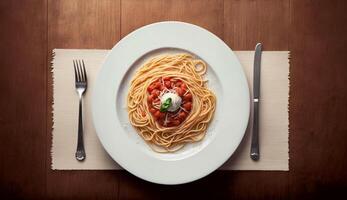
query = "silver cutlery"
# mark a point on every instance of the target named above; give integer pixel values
(256, 95)
(81, 87)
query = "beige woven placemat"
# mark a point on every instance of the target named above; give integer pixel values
(273, 126)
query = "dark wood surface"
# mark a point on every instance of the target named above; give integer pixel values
(313, 30)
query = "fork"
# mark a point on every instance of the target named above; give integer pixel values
(81, 87)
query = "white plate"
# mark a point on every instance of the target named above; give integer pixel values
(226, 79)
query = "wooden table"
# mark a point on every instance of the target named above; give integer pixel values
(314, 31)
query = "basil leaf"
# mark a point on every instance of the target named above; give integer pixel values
(165, 106)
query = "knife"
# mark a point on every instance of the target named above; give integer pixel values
(256, 95)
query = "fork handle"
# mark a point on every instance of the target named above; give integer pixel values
(80, 153)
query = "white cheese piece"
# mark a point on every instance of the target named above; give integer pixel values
(176, 101)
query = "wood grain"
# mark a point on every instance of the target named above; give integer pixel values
(83, 23)
(249, 22)
(205, 13)
(313, 30)
(218, 185)
(318, 99)
(23, 44)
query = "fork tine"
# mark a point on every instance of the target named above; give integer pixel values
(80, 78)
(80, 67)
(84, 70)
(79, 71)
(76, 75)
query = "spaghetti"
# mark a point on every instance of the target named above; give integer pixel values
(168, 101)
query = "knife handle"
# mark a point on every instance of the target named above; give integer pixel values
(255, 131)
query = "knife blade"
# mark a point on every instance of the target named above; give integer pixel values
(254, 154)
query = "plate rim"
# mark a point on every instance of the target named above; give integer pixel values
(95, 100)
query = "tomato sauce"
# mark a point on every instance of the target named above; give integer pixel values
(169, 119)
